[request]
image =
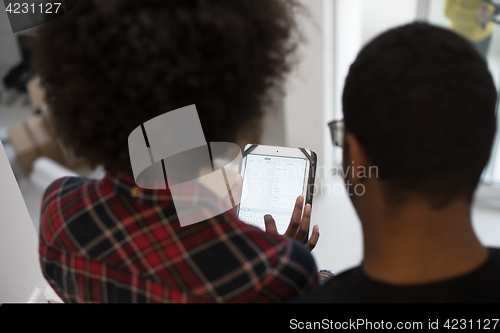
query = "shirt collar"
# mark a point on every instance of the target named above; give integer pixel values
(124, 184)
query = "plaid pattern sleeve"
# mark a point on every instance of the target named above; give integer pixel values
(108, 241)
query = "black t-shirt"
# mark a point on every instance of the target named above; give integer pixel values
(353, 286)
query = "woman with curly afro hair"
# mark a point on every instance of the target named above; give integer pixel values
(108, 66)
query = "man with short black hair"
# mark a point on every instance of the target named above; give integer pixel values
(419, 104)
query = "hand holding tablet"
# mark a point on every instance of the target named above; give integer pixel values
(299, 225)
(277, 190)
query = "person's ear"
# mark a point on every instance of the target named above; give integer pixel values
(356, 163)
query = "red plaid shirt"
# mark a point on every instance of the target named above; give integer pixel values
(109, 241)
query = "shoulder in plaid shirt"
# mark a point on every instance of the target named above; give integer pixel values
(109, 241)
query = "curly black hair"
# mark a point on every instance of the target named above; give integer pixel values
(110, 65)
(422, 101)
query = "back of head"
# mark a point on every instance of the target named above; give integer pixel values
(421, 101)
(110, 65)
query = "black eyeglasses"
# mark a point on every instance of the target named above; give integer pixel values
(337, 129)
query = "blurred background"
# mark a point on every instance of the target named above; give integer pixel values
(335, 31)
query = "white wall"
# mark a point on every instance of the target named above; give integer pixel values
(334, 35)
(380, 15)
(304, 104)
(20, 274)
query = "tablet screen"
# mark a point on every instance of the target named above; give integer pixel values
(271, 185)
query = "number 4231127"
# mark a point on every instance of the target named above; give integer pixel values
(484, 324)
(25, 8)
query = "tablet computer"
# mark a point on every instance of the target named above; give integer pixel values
(273, 178)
